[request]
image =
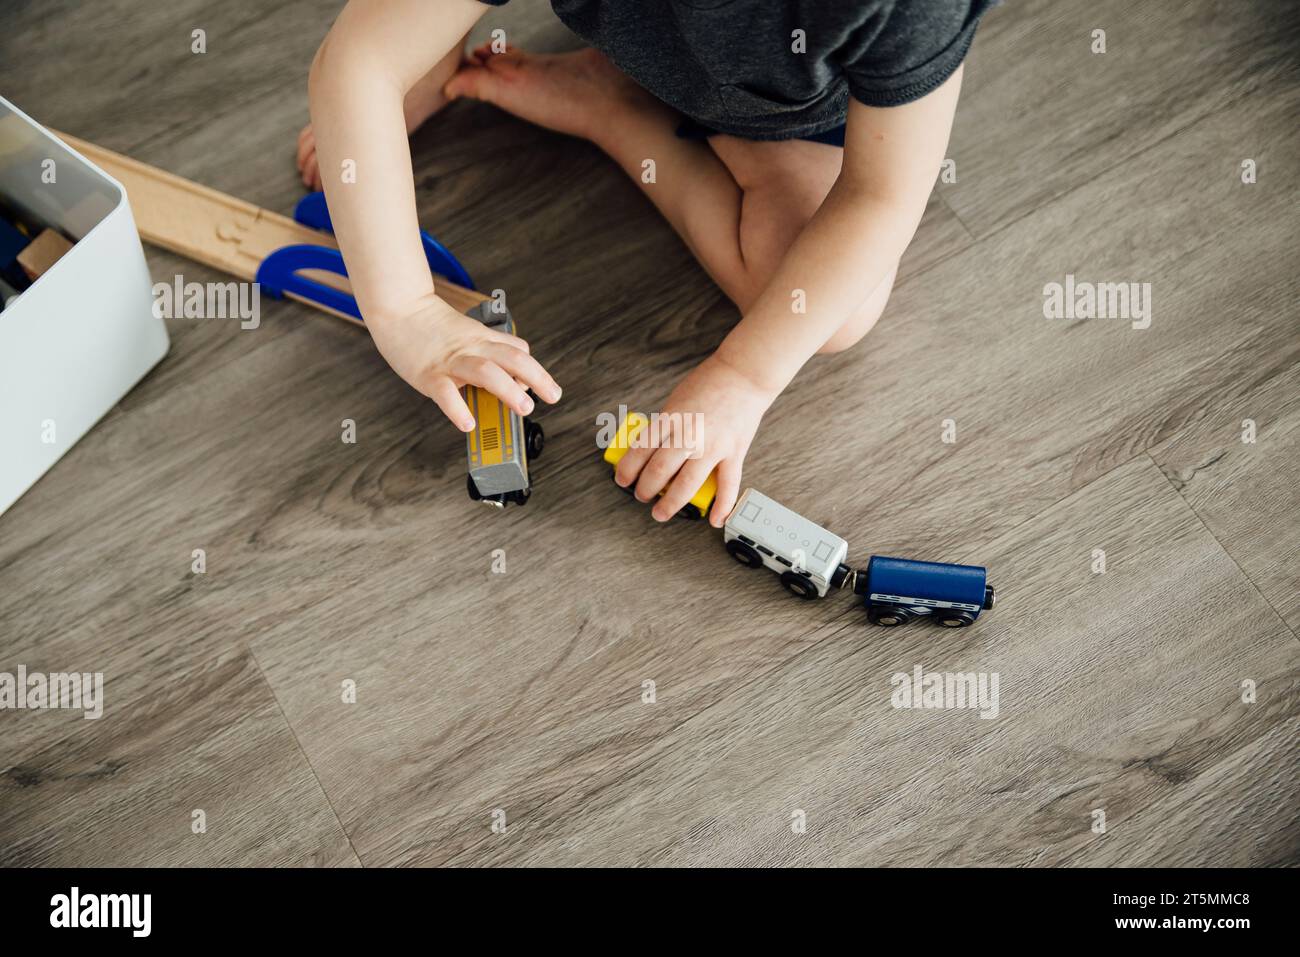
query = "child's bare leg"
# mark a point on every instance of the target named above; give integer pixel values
(583, 95)
(737, 204)
(784, 183)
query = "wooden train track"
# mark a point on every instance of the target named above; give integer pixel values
(221, 231)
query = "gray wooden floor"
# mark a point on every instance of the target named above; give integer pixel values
(1119, 692)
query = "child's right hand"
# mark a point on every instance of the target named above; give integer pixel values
(437, 350)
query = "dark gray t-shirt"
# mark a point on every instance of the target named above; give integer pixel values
(740, 67)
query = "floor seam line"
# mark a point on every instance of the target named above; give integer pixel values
(303, 751)
(970, 234)
(1223, 548)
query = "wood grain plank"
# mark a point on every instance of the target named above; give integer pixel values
(121, 790)
(523, 690)
(97, 558)
(1119, 691)
(1041, 114)
(1245, 492)
(123, 73)
(1241, 833)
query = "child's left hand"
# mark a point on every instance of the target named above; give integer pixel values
(730, 407)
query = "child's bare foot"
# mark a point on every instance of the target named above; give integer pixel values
(576, 93)
(308, 165)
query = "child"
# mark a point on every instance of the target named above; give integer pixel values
(795, 147)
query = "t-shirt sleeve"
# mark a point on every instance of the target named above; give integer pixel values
(912, 50)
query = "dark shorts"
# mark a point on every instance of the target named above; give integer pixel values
(690, 130)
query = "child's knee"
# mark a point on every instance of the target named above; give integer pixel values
(849, 334)
(860, 323)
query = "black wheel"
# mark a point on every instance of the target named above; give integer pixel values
(521, 497)
(951, 618)
(744, 554)
(472, 488)
(798, 585)
(534, 439)
(990, 596)
(887, 616)
(690, 511)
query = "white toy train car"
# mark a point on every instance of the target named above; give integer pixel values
(809, 559)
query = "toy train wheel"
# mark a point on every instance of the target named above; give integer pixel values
(534, 438)
(690, 511)
(744, 554)
(472, 488)
(520, 497)
(950, 618)
(798, 585)
(888, 617)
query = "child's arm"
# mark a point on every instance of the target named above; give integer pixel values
(891, 159)
(375, 52)
(426, 98)
(892, 156)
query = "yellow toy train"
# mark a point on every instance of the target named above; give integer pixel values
(502, 442)
(631, 426)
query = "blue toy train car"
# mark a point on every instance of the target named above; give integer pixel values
(896, 590)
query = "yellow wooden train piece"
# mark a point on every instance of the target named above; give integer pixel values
(632, 424)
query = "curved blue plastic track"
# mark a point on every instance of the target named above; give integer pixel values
(311, 211)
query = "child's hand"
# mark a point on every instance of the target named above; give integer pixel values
(437, 350)
(731, 406)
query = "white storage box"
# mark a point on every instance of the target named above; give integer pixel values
(84, 333)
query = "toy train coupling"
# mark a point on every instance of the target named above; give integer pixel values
(898, 590)
(502, 443)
